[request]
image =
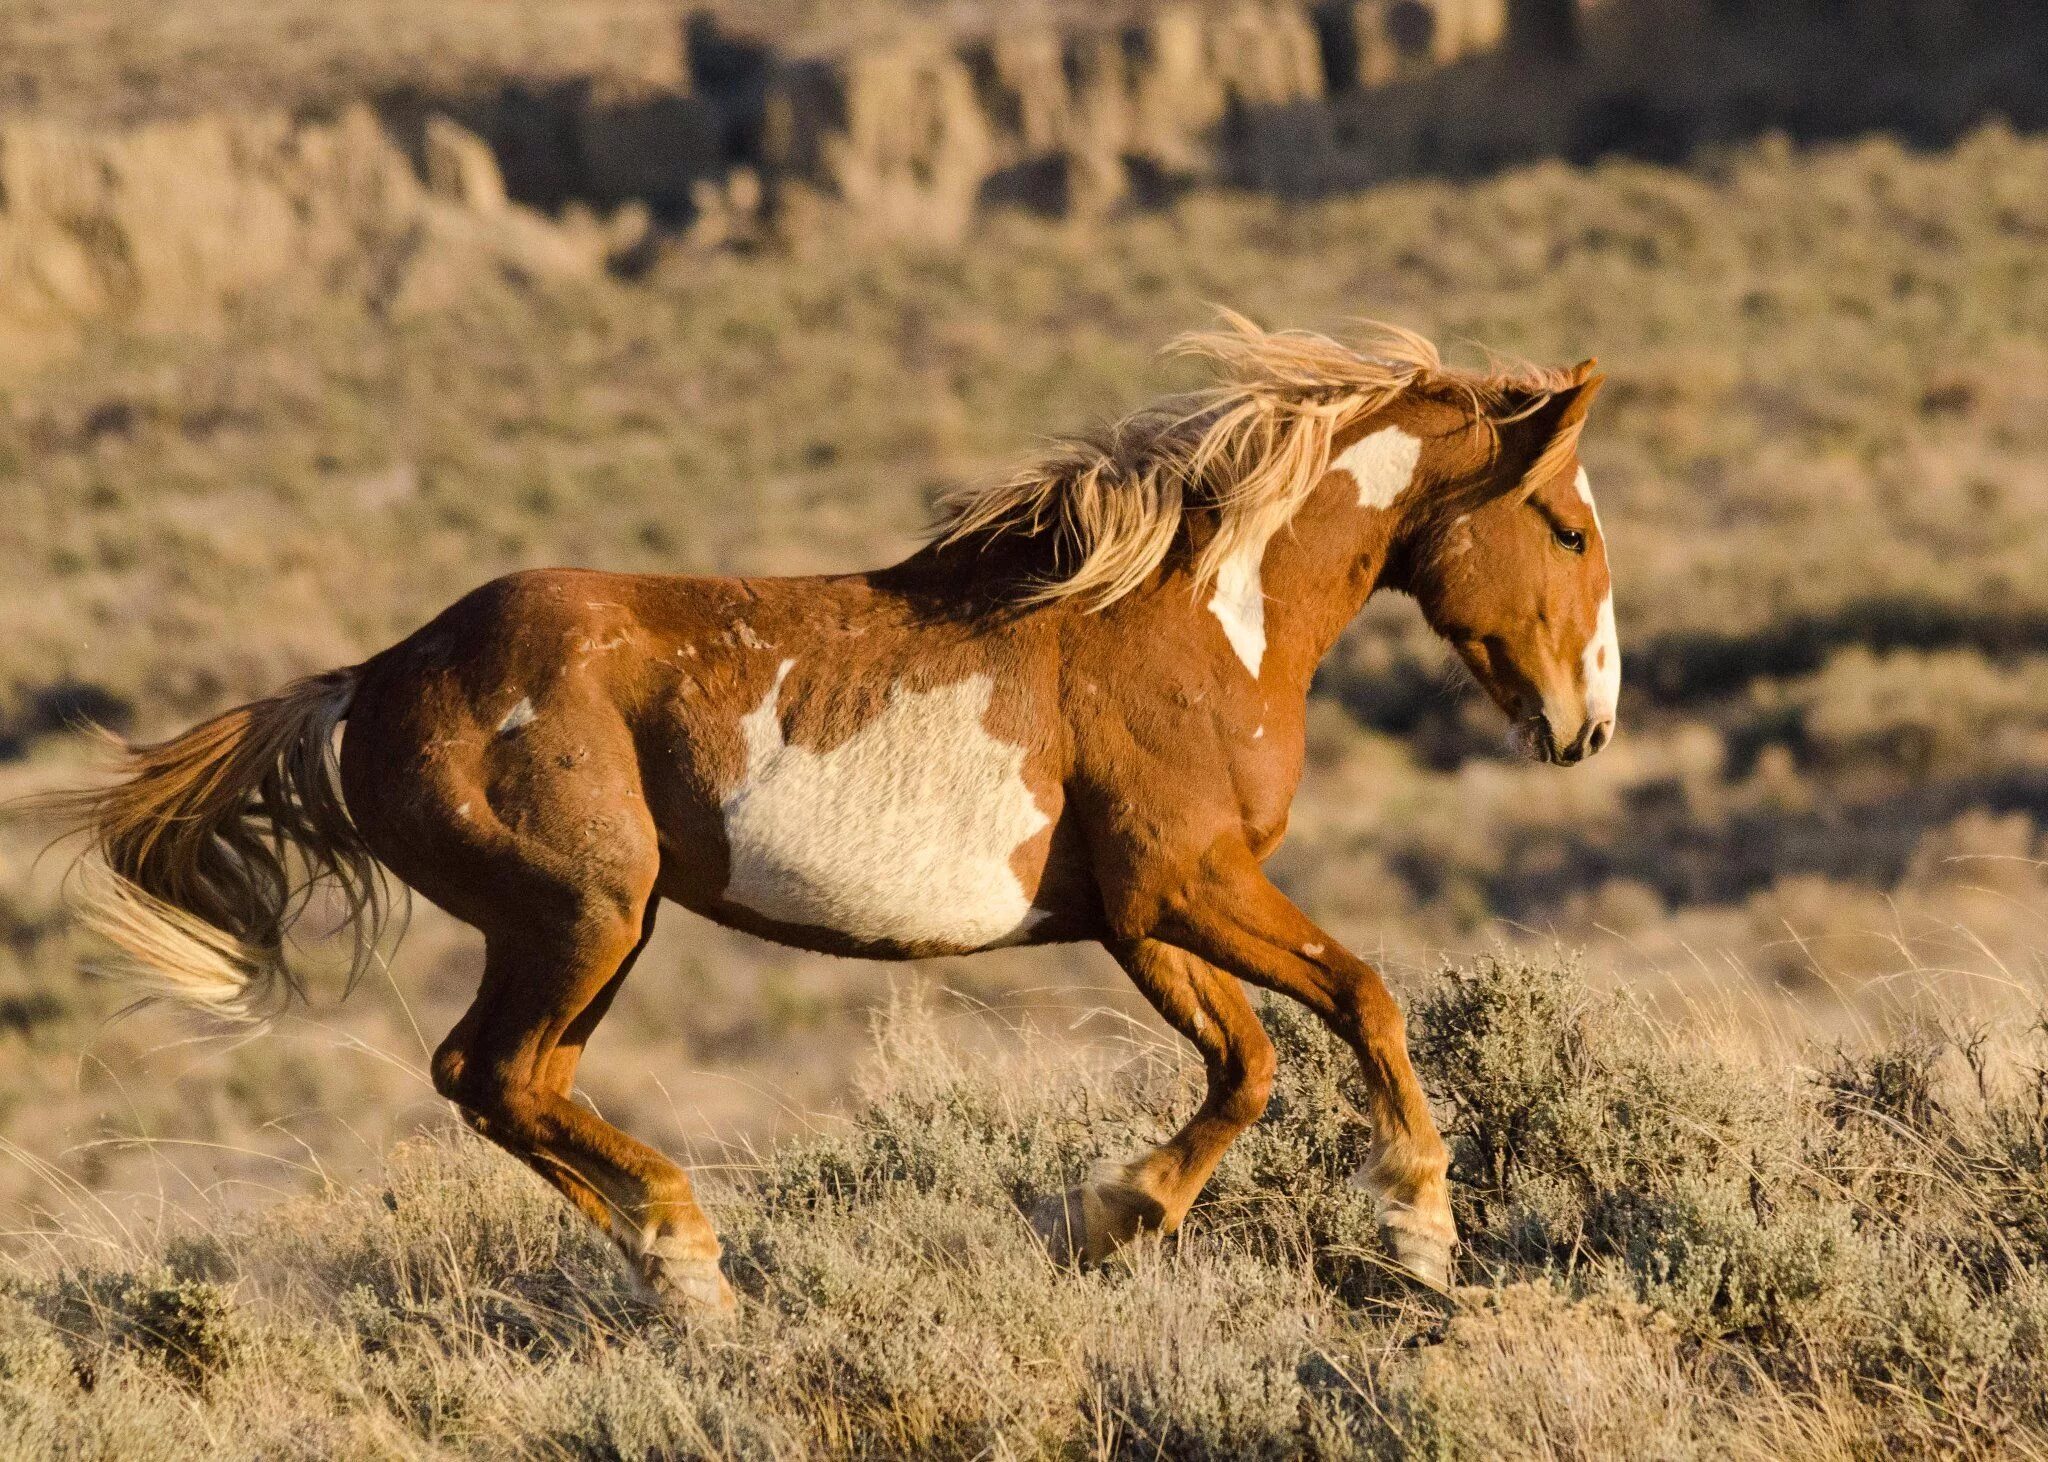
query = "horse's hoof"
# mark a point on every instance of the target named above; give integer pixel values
(1415, 1223)
(1093, 1224)
(1059, 1221)
(689, 1288)
(1418, 1251)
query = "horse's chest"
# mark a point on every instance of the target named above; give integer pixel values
(902, 835)
(1266, 773)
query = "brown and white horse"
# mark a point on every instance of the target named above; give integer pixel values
(1077, 714)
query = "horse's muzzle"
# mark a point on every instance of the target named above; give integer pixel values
(1535, 737)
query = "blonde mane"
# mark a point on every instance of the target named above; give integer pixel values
(1111, 505)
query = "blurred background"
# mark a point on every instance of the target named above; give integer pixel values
(313, 316)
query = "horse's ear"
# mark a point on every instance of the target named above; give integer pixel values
(1552, 430)
(1583, 384)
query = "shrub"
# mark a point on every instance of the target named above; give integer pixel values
(1563, 1102)
(1676, 1251)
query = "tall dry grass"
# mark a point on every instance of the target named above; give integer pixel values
(1679, 1247)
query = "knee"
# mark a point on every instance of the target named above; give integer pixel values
(1367, 1016)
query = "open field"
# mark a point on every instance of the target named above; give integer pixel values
(1822, 460)
(1679, 1250)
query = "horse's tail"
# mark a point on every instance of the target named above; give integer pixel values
(209, 844)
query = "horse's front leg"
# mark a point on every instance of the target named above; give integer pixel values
(1224, 910)
(1152, 1192)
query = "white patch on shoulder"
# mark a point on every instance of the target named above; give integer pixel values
(901, 835)
(1585, 486)
(1600, 665)
(1239, 605)
(1382, 464)
(761, 728)
(520, 715)
(1311, 950)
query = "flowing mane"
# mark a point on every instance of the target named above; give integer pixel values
(1105, 509)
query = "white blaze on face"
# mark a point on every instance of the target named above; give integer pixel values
(1600, 665)
(901, 835)
(1239, 605)
(1382, 464)
(1585, 486)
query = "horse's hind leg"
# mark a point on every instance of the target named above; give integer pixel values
(1153, 1191)
(510, 1064)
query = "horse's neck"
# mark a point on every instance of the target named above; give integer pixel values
(1314, 577)
(1283, 609)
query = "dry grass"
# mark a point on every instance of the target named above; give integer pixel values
(1821, 460)
(1676, 1250)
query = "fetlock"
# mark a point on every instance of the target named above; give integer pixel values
(1413, 1207)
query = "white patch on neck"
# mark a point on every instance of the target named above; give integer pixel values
(1382, 464)
(900, 836)
(1239, 605)
(1585, 486)
(1600, 665)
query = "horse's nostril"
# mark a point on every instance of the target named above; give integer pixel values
(1598, 736)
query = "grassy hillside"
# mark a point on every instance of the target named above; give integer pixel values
(1679, 1247)
(1823, 460)
(1700, 1226)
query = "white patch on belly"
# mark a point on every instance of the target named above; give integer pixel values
(1600, 665)
(1585, 486)
(1382, 464)
(901, 835)
(1239, 605)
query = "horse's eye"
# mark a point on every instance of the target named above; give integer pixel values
(1572, 539)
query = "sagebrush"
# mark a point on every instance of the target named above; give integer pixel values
(1678, 1249)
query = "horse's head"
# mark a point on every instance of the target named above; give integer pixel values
(1516, 579)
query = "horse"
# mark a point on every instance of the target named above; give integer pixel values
(1076, 712)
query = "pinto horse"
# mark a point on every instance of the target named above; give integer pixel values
(1077, 713)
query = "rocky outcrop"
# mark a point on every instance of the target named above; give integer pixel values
(924, 132)
(165, 222)
(1304, 95)
(730, 137)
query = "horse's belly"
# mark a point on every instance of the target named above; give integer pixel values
(904, 836)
